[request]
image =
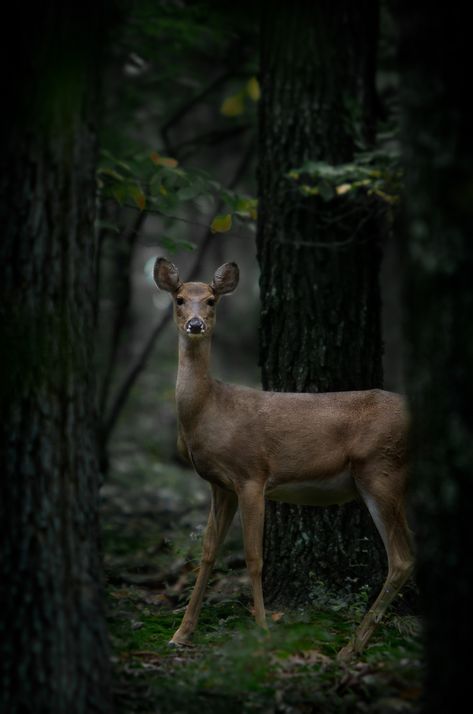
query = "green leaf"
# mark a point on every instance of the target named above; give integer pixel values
(156, 185)
(106, 171)
(173, 246)
(326, 190)
(137, 195)
(247, 207)
(168, 243)
(172, 178)
(119, 193)
(124, 165)
(228, 198)
(186, 245)
(253, 89)
(309, 190)
(221, 223)
(187, 193)
(233, 106)
(107, 226)
(166, 204)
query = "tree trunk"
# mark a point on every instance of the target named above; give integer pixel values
(320, 319)
(438, 152)
(53, 644)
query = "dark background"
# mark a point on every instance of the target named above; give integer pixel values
(132, 130)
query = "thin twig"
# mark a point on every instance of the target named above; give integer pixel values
(157, 212)
(333, 244)
(185, 109)
(211, 138)
(129, 239)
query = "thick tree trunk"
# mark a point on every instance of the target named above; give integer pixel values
(438, 152)
(53, 645)
(320, 320)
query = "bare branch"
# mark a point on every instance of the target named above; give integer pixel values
(157, 212)
(186, 108)
(210, 138)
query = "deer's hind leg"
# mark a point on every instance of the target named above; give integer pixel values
(382, 488)
(222, 510)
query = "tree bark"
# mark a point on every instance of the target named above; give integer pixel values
(438, 153)
(53, 644)
(320, 318)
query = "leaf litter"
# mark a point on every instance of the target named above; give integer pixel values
(151, 555)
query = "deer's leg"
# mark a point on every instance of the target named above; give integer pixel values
(251, 502)
(222, 510)
(384, 499)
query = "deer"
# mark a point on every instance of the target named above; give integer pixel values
(304, 448)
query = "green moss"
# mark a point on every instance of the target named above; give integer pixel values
(233, 666)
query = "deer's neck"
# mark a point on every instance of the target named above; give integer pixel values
(194, 382)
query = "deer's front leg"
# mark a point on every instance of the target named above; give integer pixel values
(251, 502)
(222, 510)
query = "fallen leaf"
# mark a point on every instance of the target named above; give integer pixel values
(142, 654)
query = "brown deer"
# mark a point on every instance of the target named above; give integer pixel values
(309, 449)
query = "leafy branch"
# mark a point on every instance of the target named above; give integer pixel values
(109, 420)
(158, 184)
(374, 173)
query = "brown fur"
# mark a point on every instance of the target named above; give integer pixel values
(313, 449)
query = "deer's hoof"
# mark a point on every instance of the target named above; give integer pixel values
(178, 644)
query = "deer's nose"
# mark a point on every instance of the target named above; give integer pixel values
(195, 326)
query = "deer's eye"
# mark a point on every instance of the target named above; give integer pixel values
(180, 301)
(211, 302)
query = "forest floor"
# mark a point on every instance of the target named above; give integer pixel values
(152, 530)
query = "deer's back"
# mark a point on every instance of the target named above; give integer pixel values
(286, 437)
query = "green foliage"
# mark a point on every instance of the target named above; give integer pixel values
(150, 182)
(202, 29)
(376, 173)
(174, 67)
(237, 104)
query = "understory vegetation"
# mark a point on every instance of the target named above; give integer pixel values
(152, 529)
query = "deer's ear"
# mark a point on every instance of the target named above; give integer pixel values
(166, 275)
(225, 279)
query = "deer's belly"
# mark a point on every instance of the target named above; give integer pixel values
(329, 491)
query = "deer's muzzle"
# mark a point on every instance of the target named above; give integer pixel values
(195, 326)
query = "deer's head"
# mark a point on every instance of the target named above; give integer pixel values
(195, 303)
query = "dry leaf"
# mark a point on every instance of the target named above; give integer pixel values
(166, 161)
